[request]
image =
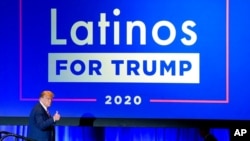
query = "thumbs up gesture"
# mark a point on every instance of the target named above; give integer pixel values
(56, 116)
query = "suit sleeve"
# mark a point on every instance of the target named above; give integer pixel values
(43, 121)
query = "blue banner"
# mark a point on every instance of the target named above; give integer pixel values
(118, 58)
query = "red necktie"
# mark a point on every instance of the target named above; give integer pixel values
(48, 113)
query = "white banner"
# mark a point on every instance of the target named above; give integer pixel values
(124, 67)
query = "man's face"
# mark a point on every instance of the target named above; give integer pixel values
(46, 100)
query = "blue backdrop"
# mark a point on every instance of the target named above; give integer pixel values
(217, 89)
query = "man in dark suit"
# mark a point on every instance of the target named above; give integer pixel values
(41, 123)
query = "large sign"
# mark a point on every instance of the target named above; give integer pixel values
(115, 58)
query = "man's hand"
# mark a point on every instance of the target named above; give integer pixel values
(56, 116)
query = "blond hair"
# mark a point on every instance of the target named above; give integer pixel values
(47, 93)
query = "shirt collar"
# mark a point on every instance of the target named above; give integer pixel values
(45, 108)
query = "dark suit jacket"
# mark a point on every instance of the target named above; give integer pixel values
(41, 125)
